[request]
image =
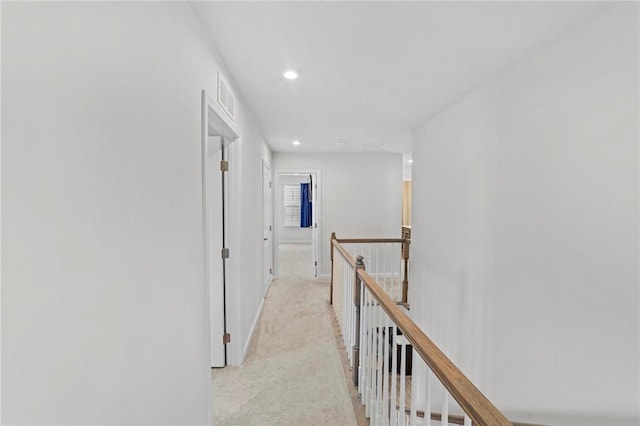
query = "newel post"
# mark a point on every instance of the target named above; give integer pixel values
(357, 295)
(333, 237)
(405, 279)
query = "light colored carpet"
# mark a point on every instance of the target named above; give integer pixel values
(293, 373)
(295, 261)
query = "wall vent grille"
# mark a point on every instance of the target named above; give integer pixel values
(226, 99)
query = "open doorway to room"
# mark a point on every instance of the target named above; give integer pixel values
(297, 223)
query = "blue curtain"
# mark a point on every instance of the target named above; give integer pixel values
(305, 206)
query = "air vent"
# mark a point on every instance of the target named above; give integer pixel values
(226, 99)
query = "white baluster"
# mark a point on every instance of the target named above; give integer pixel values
(377, 271)
(372, 359)
(445, 409)
(385, 368)
(427, 404)
(344, 285)
(347, 299)
(375, 358)
(365, 344)
(390, 258)
(363, 328)
(385, 283)
(345, 305)
(345, 315)
(394, 375)
(342, 296)
(352, 316)
(389, 261)
(385, 268)
(381, 361)
(352, 323)
(398, 295)
(403, 384)
(396, 275)
(414, 394)
(370, 330)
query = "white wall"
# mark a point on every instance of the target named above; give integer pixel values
(102, 281)
(289, 234)
(361, 194)
(406, 167)
(525, 230)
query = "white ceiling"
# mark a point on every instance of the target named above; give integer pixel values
(370, 72)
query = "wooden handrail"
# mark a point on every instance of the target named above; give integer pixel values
(336, 242)
(458, 420)
(368, 240)
(347, 256)
(470, 399)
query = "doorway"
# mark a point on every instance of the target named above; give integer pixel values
(297, 230)
(267, 226)
(217, 135)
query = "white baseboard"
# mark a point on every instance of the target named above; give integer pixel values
(253, 327)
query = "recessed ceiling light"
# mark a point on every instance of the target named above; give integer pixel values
(410, 161)
(296, 143)
(290, 74)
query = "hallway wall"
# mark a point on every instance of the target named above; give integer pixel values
(103, 307)
(361, 194)
(525, 230)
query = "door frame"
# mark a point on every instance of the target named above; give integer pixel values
(272, 225)
(317, 216)
(214, 122)
(214, 224)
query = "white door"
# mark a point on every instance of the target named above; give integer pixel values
(314, 224)
(214, 197)
(267, 226)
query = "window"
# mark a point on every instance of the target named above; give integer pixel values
(291, 205)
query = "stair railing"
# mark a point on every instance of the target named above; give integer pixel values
(386, 259)
(396, 387)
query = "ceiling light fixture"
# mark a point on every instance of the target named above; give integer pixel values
(296, 143)
(290, 74)
(410, 161)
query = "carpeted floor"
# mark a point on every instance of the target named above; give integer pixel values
(293, 373)
(295, 261)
